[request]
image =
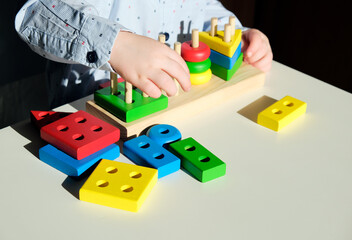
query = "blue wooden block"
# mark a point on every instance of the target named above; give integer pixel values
(225, 61)
(145, 152)
(164, 134)
(71, 166)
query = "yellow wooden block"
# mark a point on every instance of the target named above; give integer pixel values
(216, 43)
(119, 185)
(281, 113)
(200, 78)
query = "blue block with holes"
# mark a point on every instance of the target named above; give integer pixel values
(164, 134)
(144, 151)
(71, 166)
(225, 61)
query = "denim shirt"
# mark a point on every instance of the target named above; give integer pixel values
(78, 35)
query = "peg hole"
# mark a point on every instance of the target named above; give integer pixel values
(126, 188)
(43, 114)
(111, 170)
(164, 131)
(144, 145)
(78, 137)
(158, 156)
(204, 159)
(288, 104)
(135, 175)
(190, 148)
(96, 128)
(102, 183)
(276, 111)
(80, 120)
(62, 128)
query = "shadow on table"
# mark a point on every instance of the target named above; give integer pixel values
(252, 110)
(74, 184)
(29, 131)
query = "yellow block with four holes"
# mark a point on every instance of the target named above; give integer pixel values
(119, 185)
(217, 43)
(281, 113)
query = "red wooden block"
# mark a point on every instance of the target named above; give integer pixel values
(42, 118)
(107, 84)
(80, 134)
(191, 54)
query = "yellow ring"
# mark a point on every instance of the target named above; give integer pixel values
(200, 78)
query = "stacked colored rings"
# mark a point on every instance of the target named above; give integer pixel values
(198, 62)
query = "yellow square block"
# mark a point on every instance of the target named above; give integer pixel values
(119, 185)
(281, 113)
(217, 43)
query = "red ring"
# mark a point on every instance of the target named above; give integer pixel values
(198, 54)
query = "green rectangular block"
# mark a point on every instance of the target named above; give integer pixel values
(128, 112)
(224, 73)
(197, 160)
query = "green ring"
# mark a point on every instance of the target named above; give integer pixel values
(199, 67)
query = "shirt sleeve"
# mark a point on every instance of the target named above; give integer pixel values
(67, 33)
(215, 9)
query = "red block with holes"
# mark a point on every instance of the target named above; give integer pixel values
(80, 134)
(42, 118)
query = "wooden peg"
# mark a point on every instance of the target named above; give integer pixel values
(232, 22)
(161, 38)
(128, 92)
(227, 33)
(177, 48)
(214, 26)
(113, 83)
(195, 38)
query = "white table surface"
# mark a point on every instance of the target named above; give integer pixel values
(295, 184)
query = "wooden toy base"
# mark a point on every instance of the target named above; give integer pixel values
(200, 98)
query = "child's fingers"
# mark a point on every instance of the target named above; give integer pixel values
(175, 70)
(255, 41)
(257, 55)
(173, 55)
(148, 87)
(164, 81)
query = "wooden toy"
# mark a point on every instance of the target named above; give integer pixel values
(128, 112)
(73, 167)
(164, 134)
(119, 185)
(224, 61)
(42, 118)
(80, 134)
(144, 151)
(200, 78)
(190, 54)
(126, 102)
(197, 160)
(281, 113)
(224, 73)
(186, 104)
(199, 67)
(224, 42)
(108, 84)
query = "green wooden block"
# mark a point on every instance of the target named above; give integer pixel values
(199, 67)
(224, 73)
(198, 160)
(140, 106)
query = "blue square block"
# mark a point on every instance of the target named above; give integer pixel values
(145, 152)
(225, 61)
(71, 166)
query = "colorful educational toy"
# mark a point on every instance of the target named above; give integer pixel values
(80, 134)
(128, 112)
(197, 160)
(281, 113)
(145, 152)
(196, 54)
(164, 134)
(119, 185)
(42, 118)
(73, 167)
(224, 73)
(224, 61)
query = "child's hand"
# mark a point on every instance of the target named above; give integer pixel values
(256, 49)
(148, 64)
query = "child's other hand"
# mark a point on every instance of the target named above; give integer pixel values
(148, 64)
(256, 49)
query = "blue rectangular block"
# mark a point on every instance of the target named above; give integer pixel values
(225, 61)
(71, 166)
(145, 152)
